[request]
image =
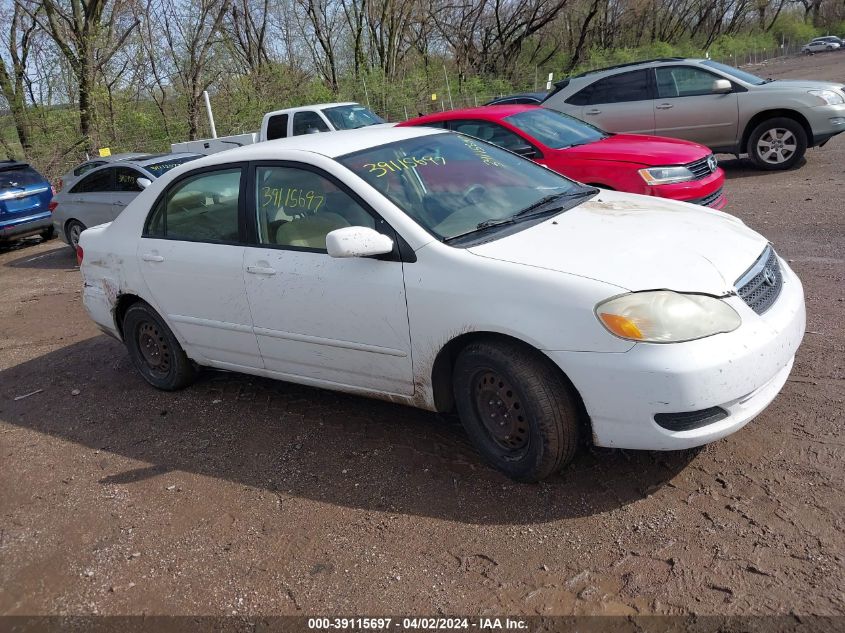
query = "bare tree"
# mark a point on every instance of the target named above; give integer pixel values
(246, 30)
(389, 24)
(322, 24)
(355, 12)
(487, 36)
(88, 33)
(191, 29)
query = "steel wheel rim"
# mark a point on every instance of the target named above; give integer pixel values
(777, 146)
(153, 347)
(501, 413)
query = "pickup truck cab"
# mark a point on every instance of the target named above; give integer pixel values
(322, 117)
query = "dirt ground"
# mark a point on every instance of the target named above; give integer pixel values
(247, 496)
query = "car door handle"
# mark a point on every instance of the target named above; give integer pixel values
(593, 111)
(261, 270)
(664, 106)
(150, 257)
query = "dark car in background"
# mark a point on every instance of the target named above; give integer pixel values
(24, 202)
(525, 98)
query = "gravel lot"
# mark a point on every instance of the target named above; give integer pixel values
(248, 496)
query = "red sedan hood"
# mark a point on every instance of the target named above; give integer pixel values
(644, 150)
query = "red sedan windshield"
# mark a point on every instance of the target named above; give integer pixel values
(554, 129)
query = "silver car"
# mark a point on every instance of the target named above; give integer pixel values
(822, 45)
(101, 194)
(69, 179)
(727, 109)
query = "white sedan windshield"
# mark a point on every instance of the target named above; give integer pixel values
(450, 183)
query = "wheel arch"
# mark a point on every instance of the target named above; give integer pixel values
(758, 118)
(123, 303)
(444, 363)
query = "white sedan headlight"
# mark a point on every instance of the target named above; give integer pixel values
(830, 97)
(663, 316)
(666, 175)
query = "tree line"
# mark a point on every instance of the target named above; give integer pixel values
(79, 74)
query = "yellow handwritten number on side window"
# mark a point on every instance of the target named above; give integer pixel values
(291, 198)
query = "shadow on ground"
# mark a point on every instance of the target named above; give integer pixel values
(61, 257)
(736, 168)
(312, 443)
(20, 244)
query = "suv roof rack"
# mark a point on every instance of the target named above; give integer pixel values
(625, 65)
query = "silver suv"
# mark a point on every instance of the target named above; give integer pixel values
(729, 110)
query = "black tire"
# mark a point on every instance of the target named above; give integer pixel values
(511, 381)
(48, 233)
(784, 136)
(72, 230)
(154, 350)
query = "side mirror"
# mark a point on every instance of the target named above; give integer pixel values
(526, 150)
(722, 86)
(357, 241)
(143, 183)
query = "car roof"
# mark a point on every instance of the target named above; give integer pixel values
(314, 106)
(12, 164)
(520, 95)
(113, 158)
(632, 65)
(491, 113)
(328, 144)
(142, 162)
(150, 159)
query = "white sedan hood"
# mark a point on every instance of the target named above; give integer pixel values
(637, 243)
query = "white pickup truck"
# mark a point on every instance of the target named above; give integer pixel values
(310, 119)
(323, 117)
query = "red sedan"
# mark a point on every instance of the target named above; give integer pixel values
(648, 165)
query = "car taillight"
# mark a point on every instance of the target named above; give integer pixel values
(79, 255)
(52, 206)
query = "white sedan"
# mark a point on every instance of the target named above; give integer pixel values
(435, 270)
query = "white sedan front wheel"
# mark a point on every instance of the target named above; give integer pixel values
(517, 408)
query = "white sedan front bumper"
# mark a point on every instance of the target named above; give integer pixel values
(741, 372)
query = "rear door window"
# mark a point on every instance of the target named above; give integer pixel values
(624, 87)
(277, 127)
(126, 179)
(199, 208)
(97, 182)
(683, 81)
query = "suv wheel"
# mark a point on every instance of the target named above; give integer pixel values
(777, 143)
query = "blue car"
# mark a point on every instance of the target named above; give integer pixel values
(24, 202)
